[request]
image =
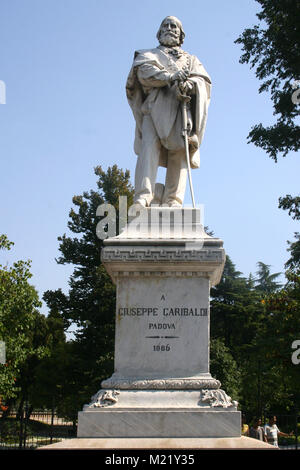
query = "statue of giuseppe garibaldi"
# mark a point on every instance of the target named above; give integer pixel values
(160, 80)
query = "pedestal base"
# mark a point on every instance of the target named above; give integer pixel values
(163, 265)
(159, 423)
(160, 413)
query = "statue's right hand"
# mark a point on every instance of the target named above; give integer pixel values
(179, 76)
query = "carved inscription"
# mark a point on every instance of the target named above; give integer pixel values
(154, 311)
(161, 326)
(163, 322)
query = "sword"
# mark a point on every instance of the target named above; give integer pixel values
(185, 99)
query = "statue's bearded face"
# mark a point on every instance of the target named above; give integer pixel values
(170, 33)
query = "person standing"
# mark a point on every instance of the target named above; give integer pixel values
(245, 427)
(256, 431)
(272, 432)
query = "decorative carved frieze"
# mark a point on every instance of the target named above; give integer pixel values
(217, 398)
(160, 274)
(161, 384)
(167, 261)
(126, 254)
(104, 398)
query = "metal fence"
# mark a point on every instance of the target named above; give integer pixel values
(41, 428)
(287, 423)
(44, 427)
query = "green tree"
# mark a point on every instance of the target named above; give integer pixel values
(237, 315)
(273, 48)
(44, 378)
(273, 345)
(224, 368)
(293, 262)
(90, 303)
(291, 204)
(19, 320)
(265, 282)
(271, 375)
(263, 380)
(235, 310)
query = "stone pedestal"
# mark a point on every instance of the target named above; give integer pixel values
(161, 386)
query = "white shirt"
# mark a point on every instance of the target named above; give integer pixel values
(272, 434)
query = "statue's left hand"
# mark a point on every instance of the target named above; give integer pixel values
(186, 87)
(184, 90)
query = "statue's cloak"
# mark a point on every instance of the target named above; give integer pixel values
(149, 91)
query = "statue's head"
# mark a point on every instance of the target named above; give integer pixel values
(170, 32)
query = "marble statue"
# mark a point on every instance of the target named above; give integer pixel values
(163, 265)
(159, 81)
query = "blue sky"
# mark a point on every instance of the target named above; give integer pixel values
(65, 64)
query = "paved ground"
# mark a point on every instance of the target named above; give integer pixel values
(162, 443)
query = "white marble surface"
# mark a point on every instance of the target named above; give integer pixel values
(161, 82)
(165, 242)
(160, 400)
(162, 327)
(161, 385)
(159, 423)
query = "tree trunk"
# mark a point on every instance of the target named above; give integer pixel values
(20, 409)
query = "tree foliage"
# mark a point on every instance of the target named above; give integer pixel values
(266, 282)
(293, 262)
(90, 302)
(253, 324)
(236, 310)
(224, 368)
(273, 48)
(254, 321)
(20, 323)
(273, 345)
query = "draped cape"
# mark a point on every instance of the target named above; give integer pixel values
(149, 91)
